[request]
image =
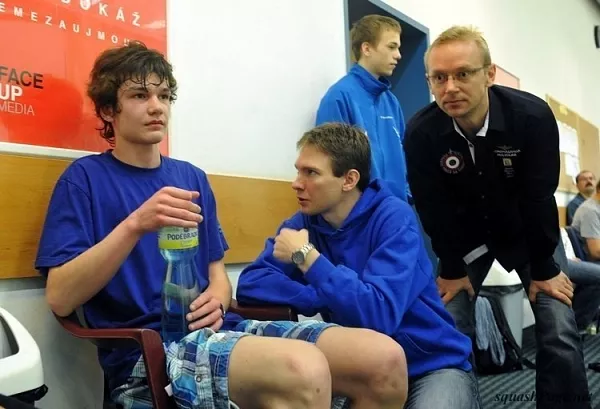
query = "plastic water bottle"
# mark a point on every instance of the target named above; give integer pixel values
(178, 246)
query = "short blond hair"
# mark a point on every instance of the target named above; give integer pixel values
(462, 33)
(368, 29)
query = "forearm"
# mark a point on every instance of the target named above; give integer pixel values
(221, 290)
(267, 286)
(311, 257)
(542, 235)
(374, 302)
(75, 282)
(539, 213)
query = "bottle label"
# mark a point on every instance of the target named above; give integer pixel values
(177, 238)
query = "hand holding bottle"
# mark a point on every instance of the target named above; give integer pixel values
(205, 311)
(170, 206)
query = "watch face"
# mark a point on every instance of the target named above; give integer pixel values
(297, 257)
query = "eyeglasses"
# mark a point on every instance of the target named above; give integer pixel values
(463, 76)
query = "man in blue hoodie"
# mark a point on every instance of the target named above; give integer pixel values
(354, 254)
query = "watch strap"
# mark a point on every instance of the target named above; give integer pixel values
(307, 248)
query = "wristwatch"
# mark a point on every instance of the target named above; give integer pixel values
(299, 256)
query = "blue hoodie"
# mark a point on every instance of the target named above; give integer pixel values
(373, 272)
(360, 99)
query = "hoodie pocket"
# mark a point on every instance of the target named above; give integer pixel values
(412, 344)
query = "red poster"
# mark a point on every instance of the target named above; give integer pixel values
(47, 50)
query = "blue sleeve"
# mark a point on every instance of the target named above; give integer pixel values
(217, 244)
(268, 280)
(402, 132)
(68, 229)
(401, 123)
(332, 109)
(571, 208)
(377, 297)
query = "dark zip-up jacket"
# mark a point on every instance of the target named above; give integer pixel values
(504, 200)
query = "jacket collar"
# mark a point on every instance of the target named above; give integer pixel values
(369, 82)
(496, 115)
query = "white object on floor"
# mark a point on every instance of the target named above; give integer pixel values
(20, 359)
(511, 303)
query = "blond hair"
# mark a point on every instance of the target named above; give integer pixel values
(462, 33)
(368, 29)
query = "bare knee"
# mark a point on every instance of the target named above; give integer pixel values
(308, 380)
(387, 375)
(267, 372)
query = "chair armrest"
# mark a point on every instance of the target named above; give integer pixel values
(148, 340)
(152, 346)
(104, 338)
(264, 312)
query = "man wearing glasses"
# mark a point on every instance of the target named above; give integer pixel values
(483, 166)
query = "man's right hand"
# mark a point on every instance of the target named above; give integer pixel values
(170, 206)
(449, 288)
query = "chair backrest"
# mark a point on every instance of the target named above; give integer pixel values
(576, 242)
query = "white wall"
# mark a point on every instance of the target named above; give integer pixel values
(251, 74)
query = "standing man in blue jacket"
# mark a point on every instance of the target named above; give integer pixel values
(364, 98)
(354, 254)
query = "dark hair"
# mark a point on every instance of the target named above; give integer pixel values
(347, 147)
(116, 66)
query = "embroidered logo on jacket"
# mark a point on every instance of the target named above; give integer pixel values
(507, 154)
(505, 151)
(452, 162)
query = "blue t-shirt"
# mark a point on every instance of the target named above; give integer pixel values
(90, 199)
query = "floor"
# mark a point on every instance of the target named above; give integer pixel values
(515, 389)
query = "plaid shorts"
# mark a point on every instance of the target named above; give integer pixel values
(197, 365)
